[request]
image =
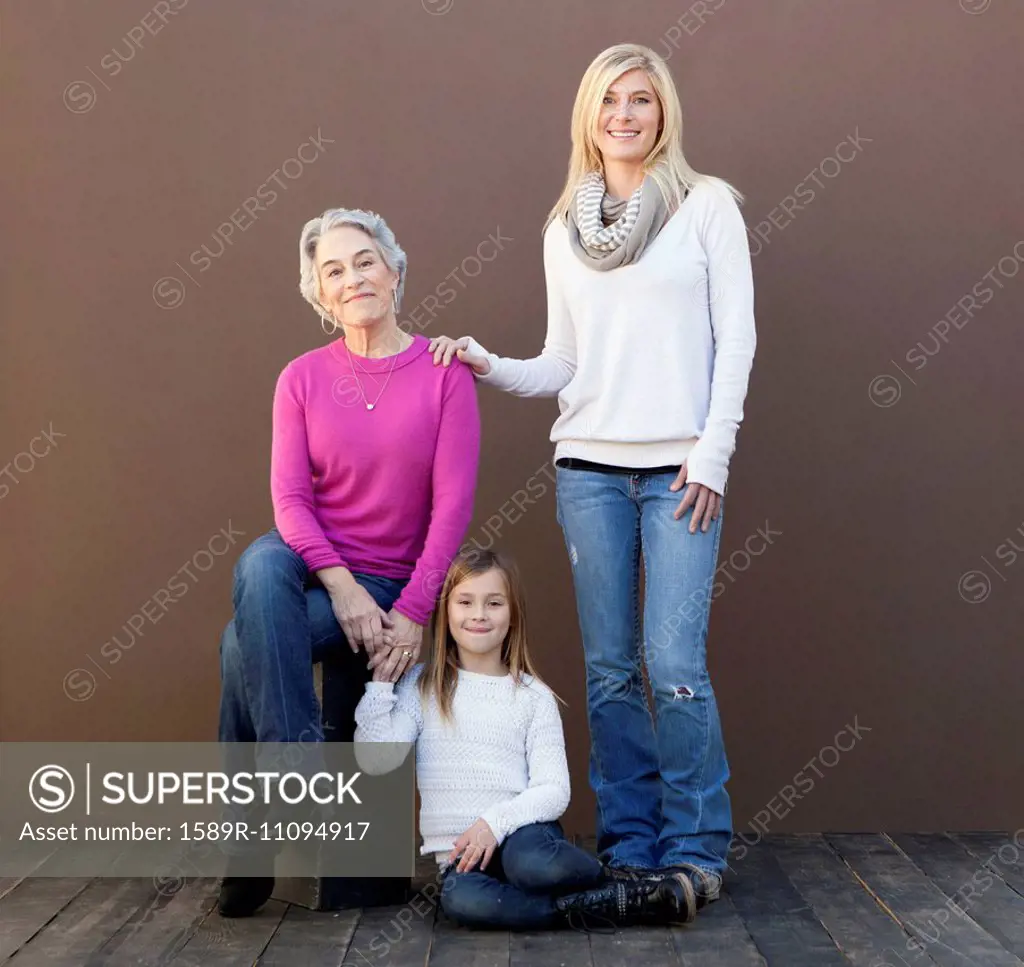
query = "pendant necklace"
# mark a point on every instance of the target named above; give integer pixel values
(370, 405)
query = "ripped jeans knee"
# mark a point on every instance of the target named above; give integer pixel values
(681, 688)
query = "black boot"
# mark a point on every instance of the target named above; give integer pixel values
(247, 885)
(619, 903)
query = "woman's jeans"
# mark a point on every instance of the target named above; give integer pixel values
(284, 624)
(517, 891)
(660, 785)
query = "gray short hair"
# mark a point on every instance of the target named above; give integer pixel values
(371, 223)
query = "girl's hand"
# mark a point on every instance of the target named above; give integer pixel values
(477, 845)
(379, 673)
(404, 639)
(707, 505)
(362, 620)
(444, 348)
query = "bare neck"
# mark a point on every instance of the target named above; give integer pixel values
(379, 339)
(621, 179)
(488, 664)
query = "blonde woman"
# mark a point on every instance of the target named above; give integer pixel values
(650, 341)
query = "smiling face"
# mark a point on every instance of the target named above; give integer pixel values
(356, 285)
(479, 612)
(628, 122)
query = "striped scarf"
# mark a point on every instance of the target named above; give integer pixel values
(633, 223)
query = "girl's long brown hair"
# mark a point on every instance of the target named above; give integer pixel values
(440, 675)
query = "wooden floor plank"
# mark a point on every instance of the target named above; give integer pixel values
(397, 936)
(718, 938)
(794, 901)
(972, 887)
(919, 905)
(85, 924)
(31, 905)
(784, 928)
(633, 946)
(550, 948)
(18, 855)
(455, 946)
(309, 938)
(1003, 853)
(231, 942)
(155, 933)
(860, 927)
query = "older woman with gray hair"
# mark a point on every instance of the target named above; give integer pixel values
(373, 471)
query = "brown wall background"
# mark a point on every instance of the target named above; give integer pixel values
(886, 485)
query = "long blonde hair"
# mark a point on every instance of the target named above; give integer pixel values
(665, 163)
(440, 675)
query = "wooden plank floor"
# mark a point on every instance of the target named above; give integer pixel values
(867, 900)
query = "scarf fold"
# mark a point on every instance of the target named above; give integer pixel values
(607, 232)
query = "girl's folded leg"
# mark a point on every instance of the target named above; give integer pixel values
(483, 901)
(480, 900)
(539, 859)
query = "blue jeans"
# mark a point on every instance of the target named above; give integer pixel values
(660, 784)
(283, 625)
(517, 891)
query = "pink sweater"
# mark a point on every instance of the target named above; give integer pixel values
(386, 492)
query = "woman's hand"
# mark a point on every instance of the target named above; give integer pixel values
(362, 620)
(476, 844)
(707, 505)
(404, 639)
(444, 348)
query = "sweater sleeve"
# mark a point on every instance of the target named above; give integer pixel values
(546, 796)
(389, 719)
(550, 372)
(291, 477)
(456, 459)
(731, 298)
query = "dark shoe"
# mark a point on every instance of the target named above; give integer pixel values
(244, 888)
(242, 896)
(706, 884)
(620, 904)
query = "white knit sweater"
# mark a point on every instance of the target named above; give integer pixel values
(650, 361)
(502, 757)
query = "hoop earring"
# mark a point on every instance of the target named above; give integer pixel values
(394, 300)
(323, 324)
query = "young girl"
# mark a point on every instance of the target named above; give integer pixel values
(491, 769)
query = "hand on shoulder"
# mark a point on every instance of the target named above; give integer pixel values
(465, 347)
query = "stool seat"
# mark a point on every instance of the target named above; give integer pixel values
(343, 893)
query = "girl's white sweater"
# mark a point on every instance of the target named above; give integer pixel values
(502, 757)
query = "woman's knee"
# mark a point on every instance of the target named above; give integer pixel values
(675, 679)
(613, 680)
(266, 563)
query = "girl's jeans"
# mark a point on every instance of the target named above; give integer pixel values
(517, 891)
